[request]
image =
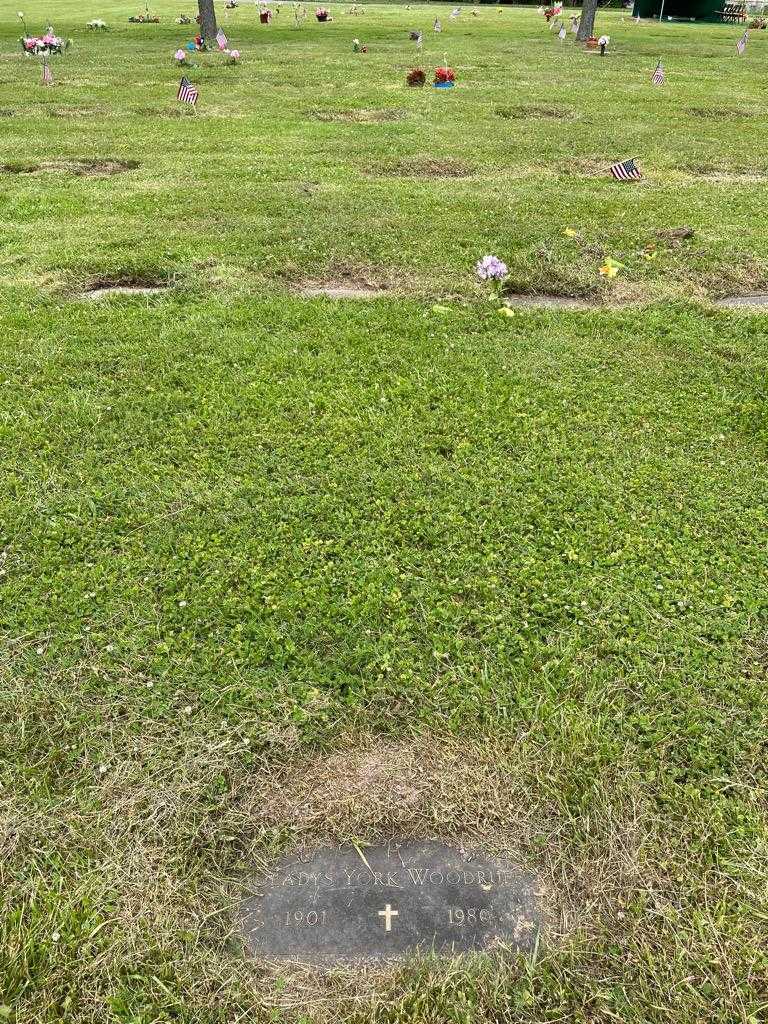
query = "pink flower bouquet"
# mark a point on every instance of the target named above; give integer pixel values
(43, 46)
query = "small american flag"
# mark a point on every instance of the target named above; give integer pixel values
(221, 39)
(47, 74)
(742, 44)
(658, 75)
(187, 92)
(626, 170)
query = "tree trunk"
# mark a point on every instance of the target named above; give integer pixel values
(587, 23)
(207, 20)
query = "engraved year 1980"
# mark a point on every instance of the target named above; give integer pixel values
(470, 915)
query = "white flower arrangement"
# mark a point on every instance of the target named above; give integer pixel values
(97, 24)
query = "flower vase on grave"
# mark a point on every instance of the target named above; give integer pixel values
(444, 78)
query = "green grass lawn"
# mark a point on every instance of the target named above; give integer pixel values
(264, 558)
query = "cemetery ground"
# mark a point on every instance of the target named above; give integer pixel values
(279, 568)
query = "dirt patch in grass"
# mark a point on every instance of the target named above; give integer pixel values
(358, 116)
(98, 168)
(719, 113)
(347, 282)
(429, 167)
(674, 238)
(127, 284)
(588, 167)
(77, 111)
(581, 167)
(714, 172)
(680, 234)
(362, 787)
(20, 167)
(154, 112)
(545, 112)
(742, 276)
(85, 168)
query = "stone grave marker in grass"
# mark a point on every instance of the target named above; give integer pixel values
(384, 902)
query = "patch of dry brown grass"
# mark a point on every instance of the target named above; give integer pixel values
(547, 112)
(359, 116)
(427, 167)
(344, 280)
(141, 867)
(165, 836)
(82, 168)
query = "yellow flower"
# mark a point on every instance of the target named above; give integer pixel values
(570, 232)
(650, 255)
(610, 268)
(505, 311)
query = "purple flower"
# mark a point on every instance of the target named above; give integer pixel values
(491, 268)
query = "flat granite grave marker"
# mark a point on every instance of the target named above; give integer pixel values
(387, 901)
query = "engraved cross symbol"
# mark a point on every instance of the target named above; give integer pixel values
(388, 913)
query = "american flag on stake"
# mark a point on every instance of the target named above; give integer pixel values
(47, 78)
(221, 39)
(658, 75)
(626, 170)
(742, 44)
(187, 92)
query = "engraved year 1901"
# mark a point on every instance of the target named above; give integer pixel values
(298, 919)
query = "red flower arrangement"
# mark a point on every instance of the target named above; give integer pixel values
(443, 75)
